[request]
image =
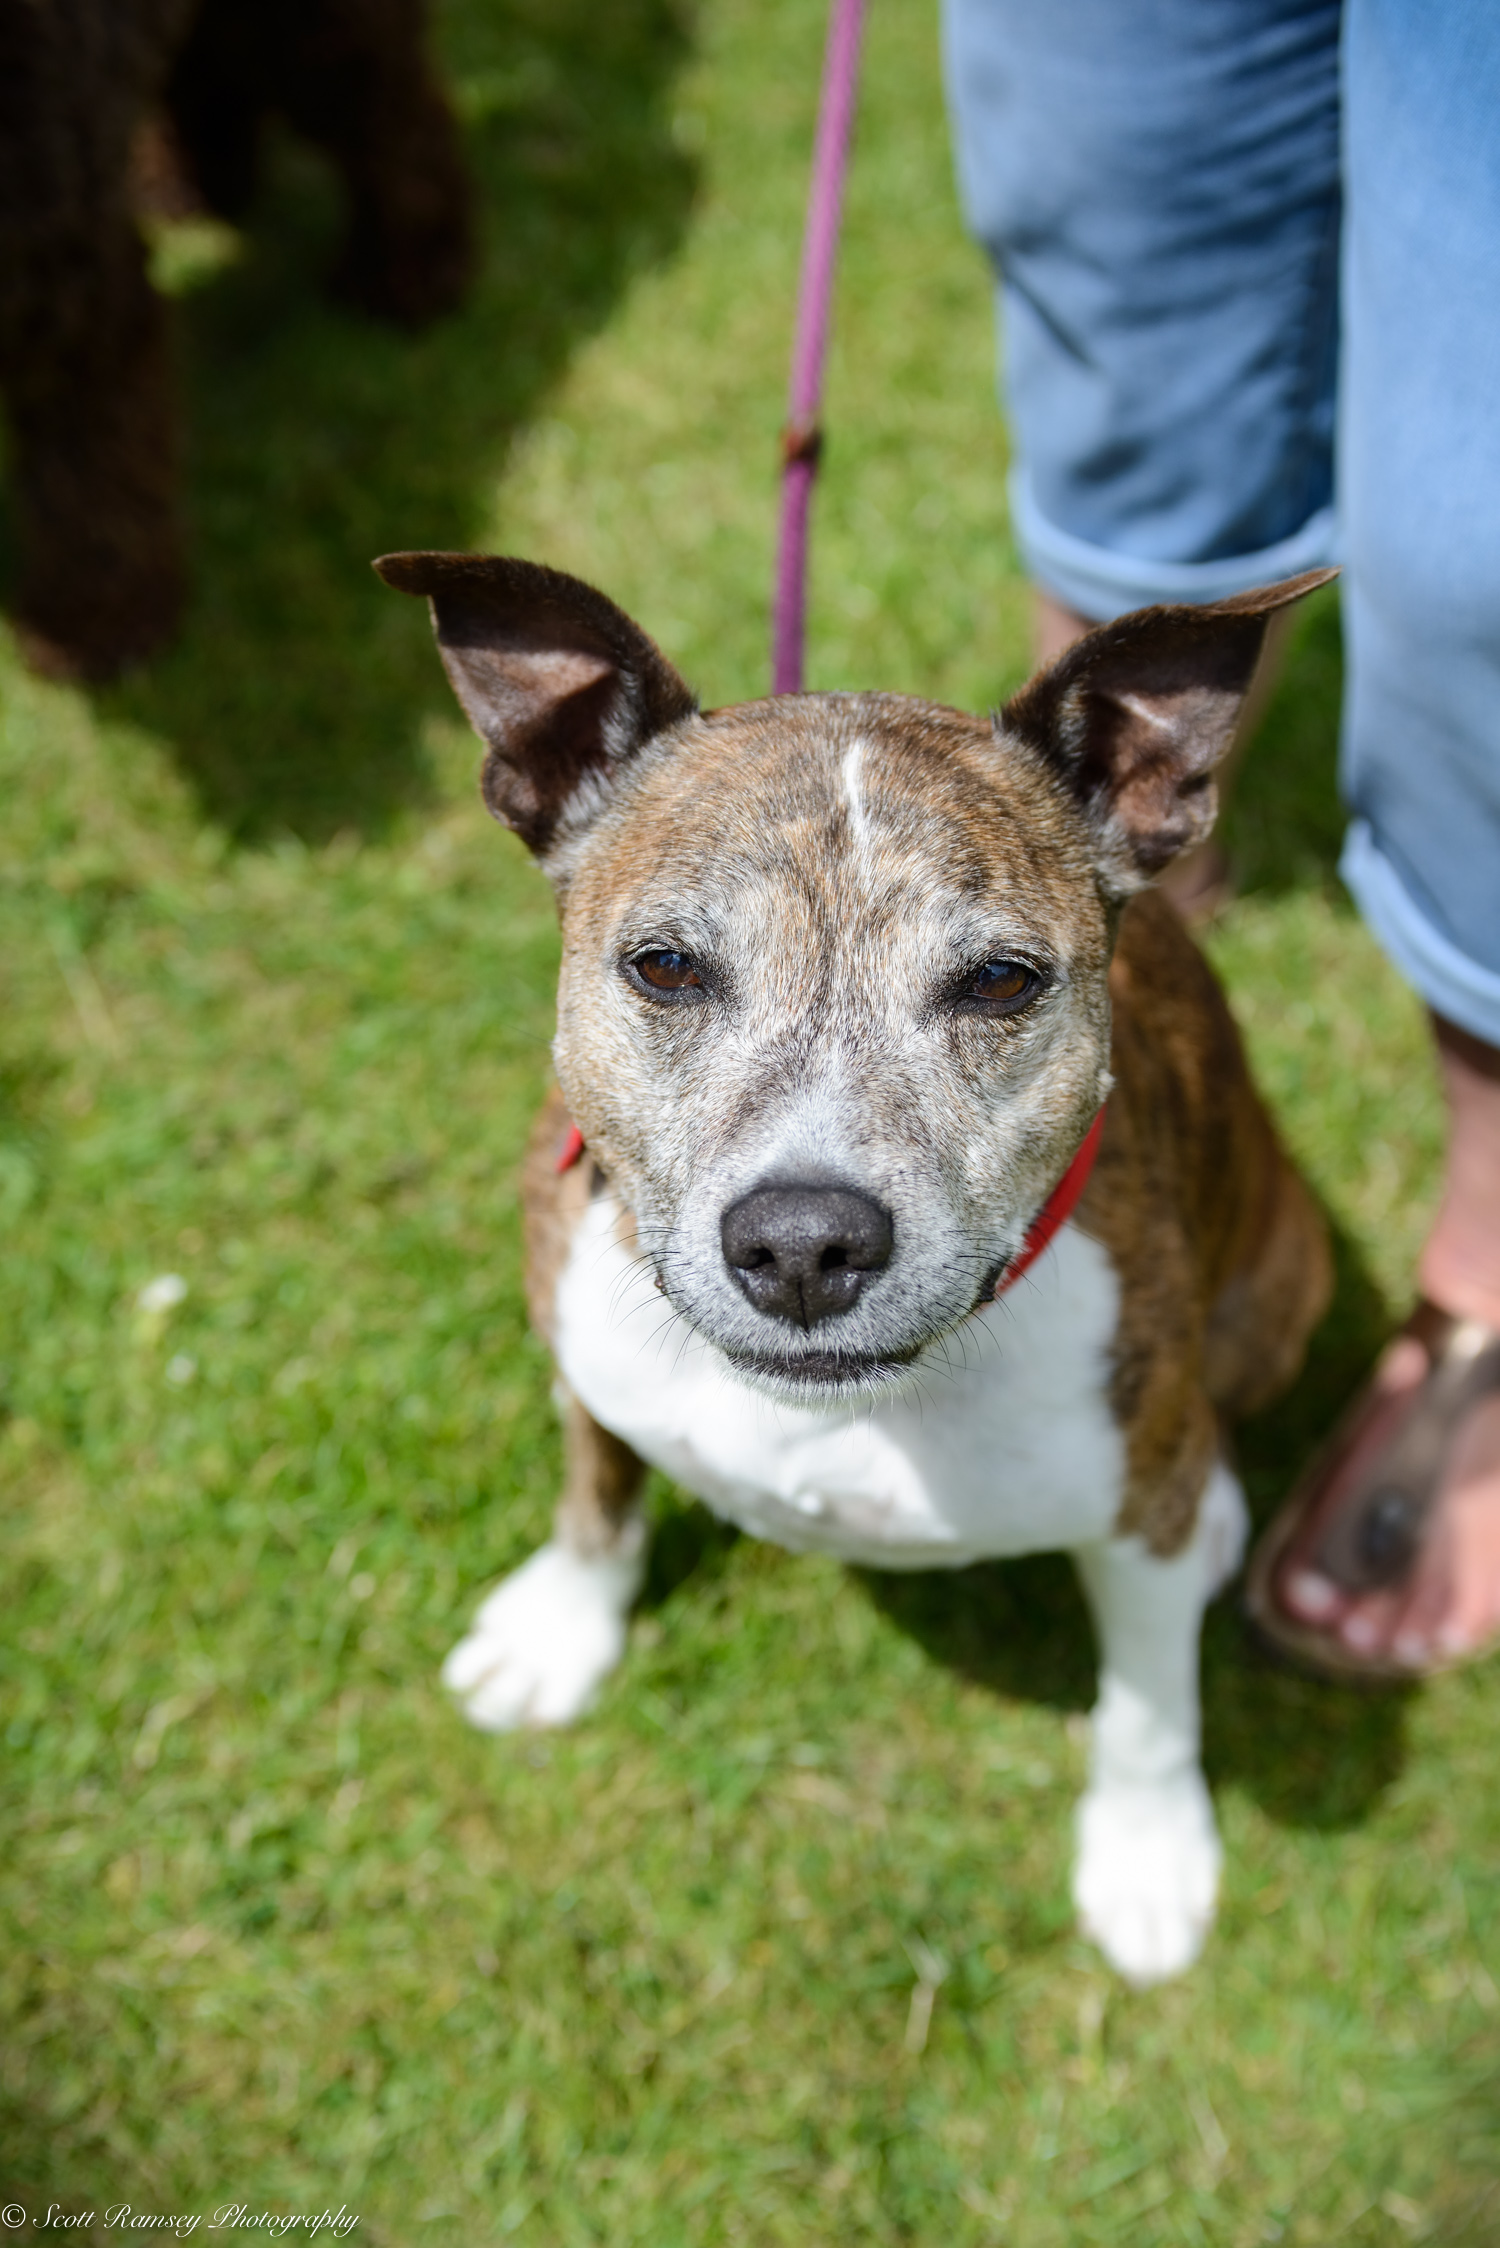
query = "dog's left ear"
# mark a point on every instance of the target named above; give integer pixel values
(1135, 717)
(556, 681)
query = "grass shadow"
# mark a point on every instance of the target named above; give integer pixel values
(295, 698)
(687, 1543)
(1019, 1628)
(1311, 1754)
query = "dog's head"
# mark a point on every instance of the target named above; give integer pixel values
(834, 1011)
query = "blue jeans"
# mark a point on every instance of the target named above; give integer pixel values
(1250, 280)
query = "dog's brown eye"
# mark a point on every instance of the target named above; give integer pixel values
(667, 971)
(1000, 987)
(1001, 979)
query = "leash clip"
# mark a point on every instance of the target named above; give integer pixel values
(802, 442)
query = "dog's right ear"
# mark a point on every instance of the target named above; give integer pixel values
(556, 681)
(1134, 718)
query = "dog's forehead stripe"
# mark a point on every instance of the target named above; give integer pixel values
(864, 799)
(853, 777)
(805, 766)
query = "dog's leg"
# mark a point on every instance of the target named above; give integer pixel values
(217, 96)
(85, 364)
(547, 1638)
(1147, 1871)
(354, 77)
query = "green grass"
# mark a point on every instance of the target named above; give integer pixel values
(281, 1931)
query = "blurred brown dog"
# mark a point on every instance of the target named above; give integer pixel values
(84, 364)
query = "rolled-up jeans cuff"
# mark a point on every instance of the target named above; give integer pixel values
(1101, 584)
(1452, 984)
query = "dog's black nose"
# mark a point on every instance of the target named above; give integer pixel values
(802, 1252)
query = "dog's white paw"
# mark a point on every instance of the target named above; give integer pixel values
(1147, 1875)
(546, 1639)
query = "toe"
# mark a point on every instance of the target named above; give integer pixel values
(471, 1661)
(1316, 1599)
(466, 1666)
(1148, 1939)
(1368, 1625)
(501, 1701)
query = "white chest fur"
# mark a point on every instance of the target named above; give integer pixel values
(1003, 1443)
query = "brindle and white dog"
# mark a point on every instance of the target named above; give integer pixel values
(845, 980)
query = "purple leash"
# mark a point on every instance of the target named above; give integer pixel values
(802, 439)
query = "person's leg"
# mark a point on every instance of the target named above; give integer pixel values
(354, 76)
(1158, 187)
(1460, 1266)
(1419, 482)
(1454, 1602)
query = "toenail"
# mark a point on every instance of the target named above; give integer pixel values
(1455, 1640)
(1309, 1593)
(1362, 1632)
(1410, 1648)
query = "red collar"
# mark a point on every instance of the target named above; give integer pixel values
(1049, 1220)
(1058, 1207)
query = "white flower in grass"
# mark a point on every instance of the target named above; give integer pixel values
(181, 1369)
(163, 1293)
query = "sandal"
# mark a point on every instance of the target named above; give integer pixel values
(1360, 1513)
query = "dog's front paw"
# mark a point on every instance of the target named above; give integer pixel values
(546, 1639)
(1147, 1875)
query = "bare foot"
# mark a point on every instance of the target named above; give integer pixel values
(1389, 1558)
(1447, 1605)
